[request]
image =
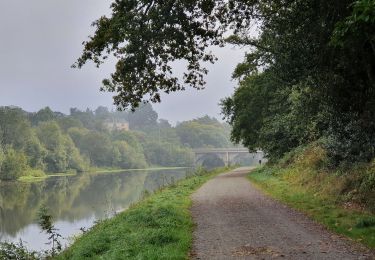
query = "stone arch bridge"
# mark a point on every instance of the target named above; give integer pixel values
(227, 155)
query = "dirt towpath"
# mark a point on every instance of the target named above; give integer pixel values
(237, 221)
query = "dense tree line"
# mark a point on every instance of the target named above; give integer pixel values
(51, 142)
(308, 75)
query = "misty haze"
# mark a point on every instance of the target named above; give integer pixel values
(198, 129)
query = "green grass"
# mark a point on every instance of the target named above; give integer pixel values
(145, 169)
(323, 208)
(31, 178)
(159, 227)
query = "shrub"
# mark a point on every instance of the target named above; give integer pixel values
(17, 251)
(364, 223)
(14, 164)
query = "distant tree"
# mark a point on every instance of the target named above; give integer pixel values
(120, 116)
(129, 137)
(69, 122)
(75, 160)
(2, 156)
(36, 153)
(163, 123)
(98, 147)
(62, 154)
(102, 113)
(125, 156)
(15, 129)
(167, 154)
(87, 117)
(206, 120)
(14, 164)
(43, 115)
(143, 117)
(77, 134)
(49, 133)
(59, 143)
(204, 132)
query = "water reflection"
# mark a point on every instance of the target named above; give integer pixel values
(74, 202)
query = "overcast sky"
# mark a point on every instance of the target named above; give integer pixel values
(41, 39)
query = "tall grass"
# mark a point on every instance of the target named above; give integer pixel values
(159, 227)
(343, 199)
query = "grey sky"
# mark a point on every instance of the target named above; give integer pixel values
(40, 39)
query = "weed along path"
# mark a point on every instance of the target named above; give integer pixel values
(234, 220)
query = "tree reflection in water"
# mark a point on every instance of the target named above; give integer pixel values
(74, 199)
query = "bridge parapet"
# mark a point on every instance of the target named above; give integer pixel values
(221, 150)
(228, 155)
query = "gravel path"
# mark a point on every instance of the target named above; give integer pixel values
(236, 221)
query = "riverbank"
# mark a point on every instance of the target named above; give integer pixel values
(323, 196)
(42, 176)
(100, 171)
(29, 178)
(158, 227)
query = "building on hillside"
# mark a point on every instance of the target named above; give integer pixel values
(116, 125)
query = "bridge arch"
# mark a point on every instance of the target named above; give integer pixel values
(210, 160)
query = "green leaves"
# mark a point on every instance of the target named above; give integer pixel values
(13, 164)
(318, 59)
(203, 132)
(147, 37)
(359, 24)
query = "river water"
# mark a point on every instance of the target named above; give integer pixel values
(75, 202)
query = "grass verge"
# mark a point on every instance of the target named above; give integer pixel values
(159, 227)
(322, 207)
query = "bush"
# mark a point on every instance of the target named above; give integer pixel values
(36, 173)
(348, 145)
(14, 164)
(364, 223)
(17, 251)
(310, 167)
